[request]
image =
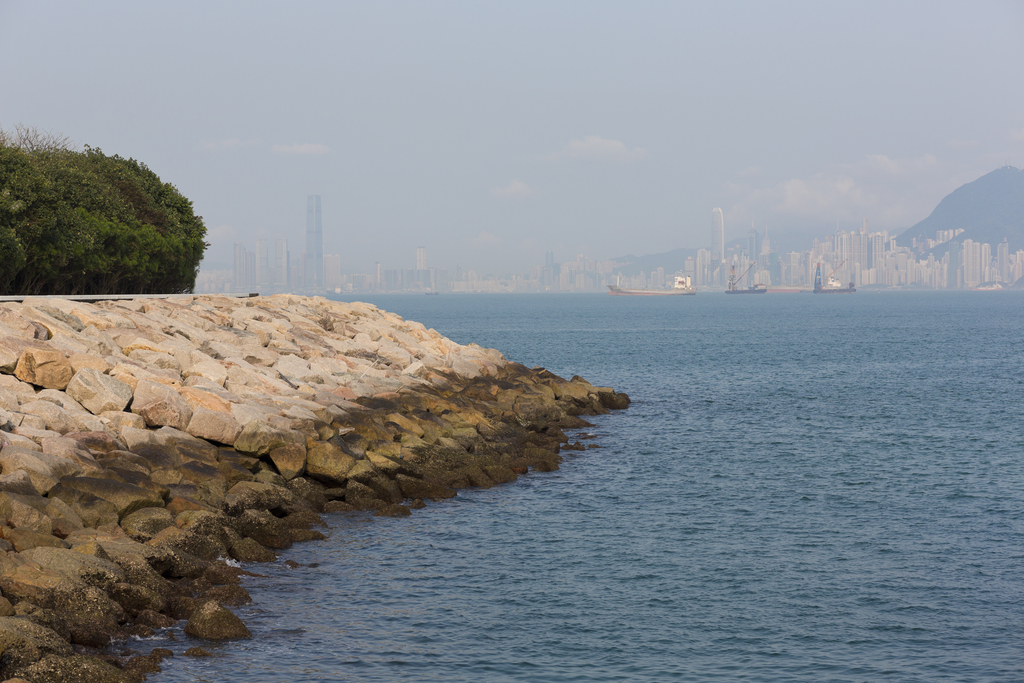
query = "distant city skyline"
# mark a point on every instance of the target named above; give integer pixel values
(492, 133)
(860, 257)
(717, 235)
(314, 242)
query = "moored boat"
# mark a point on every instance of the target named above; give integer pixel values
(682, 286)
(833, 285)
(734, 288)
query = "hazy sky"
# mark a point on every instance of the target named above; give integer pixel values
(492, 132)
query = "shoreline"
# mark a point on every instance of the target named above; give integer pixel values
(146, 441)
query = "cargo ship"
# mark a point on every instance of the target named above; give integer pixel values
(682, 286)
(733, 288)
(833, 286)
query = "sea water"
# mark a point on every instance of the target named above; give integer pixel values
(805, 488)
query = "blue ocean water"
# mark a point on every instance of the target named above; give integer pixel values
(805, 488)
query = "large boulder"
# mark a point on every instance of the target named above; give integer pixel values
(97, 392)
(92, 571)
(263, 527)
(309, 491)
(289, 460)
(26, 511)
(21, 579)
(198, 397)
(74, 669)
(96, 441)
(90, 615)
(126, 498)
(18, 482)
(43, 367)
(214, 622)
(146, 523)
(255, 495)
(208, 368)
(328, 463)
(160, 405)
(54, 417)
(417, 488)
(248, 550)
(214, 425)
(24, 643)
(27, 539)
(92, 511)
(259, 438)
(43, 469)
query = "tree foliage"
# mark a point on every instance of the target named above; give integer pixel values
(81, 222)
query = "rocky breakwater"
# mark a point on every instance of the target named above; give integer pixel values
(147, 442)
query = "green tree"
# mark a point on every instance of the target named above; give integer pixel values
(81, 222)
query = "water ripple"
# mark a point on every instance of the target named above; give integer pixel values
(802, 490)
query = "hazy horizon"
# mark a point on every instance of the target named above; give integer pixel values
(490, 134)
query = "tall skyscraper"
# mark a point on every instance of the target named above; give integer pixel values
(717, 236)
(876, 258)
(972, 263)
(239, 282)
(1003, 261)
(421, 258)
(281, 264)
(314, 243)
(263, 263)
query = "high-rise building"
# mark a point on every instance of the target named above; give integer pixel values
(1003, 260)
(281, 264)
(793, 271)
(314, 243)
(332, 272)
(263, 261)
(421, 258)
(954, 273)
(245, 268)
(972, 263)
(876, 257)
(703, 261)
(717, 236)
(860, 253)
(239, 279)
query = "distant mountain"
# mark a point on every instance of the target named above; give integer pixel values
(671, 261)
(989, 209)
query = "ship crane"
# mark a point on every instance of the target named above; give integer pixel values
(732, 276)
(835, 271)
(832, 287)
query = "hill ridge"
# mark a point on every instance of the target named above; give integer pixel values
(988, 209)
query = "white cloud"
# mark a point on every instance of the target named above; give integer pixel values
(595, 148)
(307, 148)
(893, 193)
(485, 240)
(517, 189)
